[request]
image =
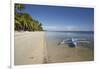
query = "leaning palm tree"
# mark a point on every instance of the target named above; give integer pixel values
(18, 25)
(24, 21)
(29, 21)
(18, 16)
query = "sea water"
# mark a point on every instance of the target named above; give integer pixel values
(63, 53)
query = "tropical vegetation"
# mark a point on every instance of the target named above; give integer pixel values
(24, 21)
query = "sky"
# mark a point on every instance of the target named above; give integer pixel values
(60, 18)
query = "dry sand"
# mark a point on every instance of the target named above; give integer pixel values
(29, 48)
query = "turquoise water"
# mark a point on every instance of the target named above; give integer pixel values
(54, 37)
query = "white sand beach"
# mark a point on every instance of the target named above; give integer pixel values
(29, 48)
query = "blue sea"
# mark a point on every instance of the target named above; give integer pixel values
(57, 36)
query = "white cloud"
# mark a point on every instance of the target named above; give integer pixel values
(64, 28)
(58, 28)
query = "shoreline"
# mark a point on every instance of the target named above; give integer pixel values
(35, 48)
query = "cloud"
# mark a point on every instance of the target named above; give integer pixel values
(50, 27)
(58, 28)
(65, 28)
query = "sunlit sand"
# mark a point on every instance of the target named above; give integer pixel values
(29, 48)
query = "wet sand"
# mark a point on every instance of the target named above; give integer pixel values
(64, 53)
(29, 48)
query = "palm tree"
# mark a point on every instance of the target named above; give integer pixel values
(40, 26)
(23, 21)
(18, 26)
(20, 7)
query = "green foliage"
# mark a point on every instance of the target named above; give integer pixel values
(19, 7)
(24, 22)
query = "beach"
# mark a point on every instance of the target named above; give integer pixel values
(29, 48)
(58, 34)
(39, 48)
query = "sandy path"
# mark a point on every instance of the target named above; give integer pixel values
(29, 48)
